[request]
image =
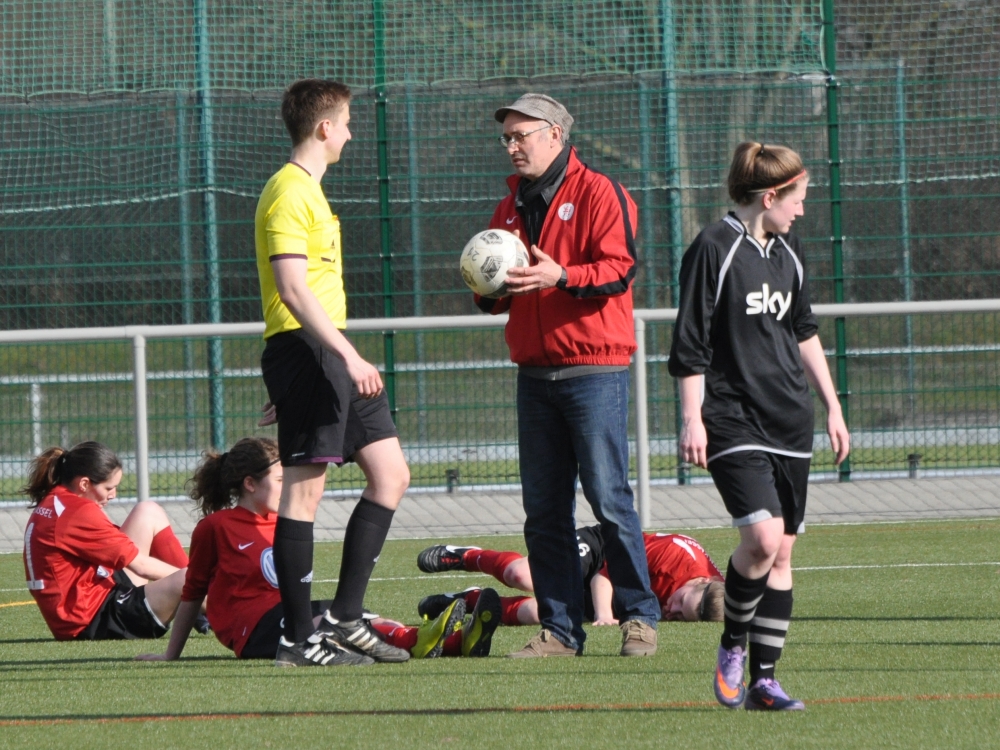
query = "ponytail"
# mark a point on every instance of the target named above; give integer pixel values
(57, 466)
(218, 481)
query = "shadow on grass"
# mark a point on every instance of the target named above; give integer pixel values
(14, 665)
(649, 708)
(902, 644)
(916, 618)
(26, 640)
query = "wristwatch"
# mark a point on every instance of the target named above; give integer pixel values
(563, 278)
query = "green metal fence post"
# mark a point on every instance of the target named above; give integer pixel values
(673, 158)
(385, 209)
(904, 229)
(646, 223)
(187, 282)
(216, 393)
(416, 249)
(837, 238)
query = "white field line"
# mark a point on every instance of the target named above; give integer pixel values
(470, 576)
(893, 565)
(794, 570)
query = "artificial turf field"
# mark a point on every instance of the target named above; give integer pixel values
(895, 643)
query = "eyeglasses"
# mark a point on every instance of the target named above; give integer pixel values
(518, 138)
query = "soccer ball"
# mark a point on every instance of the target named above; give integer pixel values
(486, 258)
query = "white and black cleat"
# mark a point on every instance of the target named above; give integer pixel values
(359, 636)
(317, 651)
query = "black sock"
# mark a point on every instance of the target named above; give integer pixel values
(742, 595)
(767, 632)
(363, 540)
(293, 564)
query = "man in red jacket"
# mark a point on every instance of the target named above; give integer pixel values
(571, 335)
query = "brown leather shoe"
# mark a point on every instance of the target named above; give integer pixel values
(543, 644)
(638, 638)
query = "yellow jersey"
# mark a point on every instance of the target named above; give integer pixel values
(294, 220)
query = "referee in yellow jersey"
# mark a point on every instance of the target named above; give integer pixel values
(329, 402)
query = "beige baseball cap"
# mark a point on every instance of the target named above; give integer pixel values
(541, 107)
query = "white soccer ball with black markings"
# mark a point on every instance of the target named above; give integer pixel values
(486, 259)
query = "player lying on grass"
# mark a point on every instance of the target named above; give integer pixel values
(232, 563)
(686, 582)
(91, 579)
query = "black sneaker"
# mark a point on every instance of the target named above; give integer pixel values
(433, 605)
(477, 633)
(360, 637)
(202, 625)
(316, 651)
(442, 557)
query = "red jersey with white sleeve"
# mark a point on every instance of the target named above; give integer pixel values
(232, 562)
(674, 559)
(71, 552)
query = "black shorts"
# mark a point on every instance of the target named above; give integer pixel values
(757, 485)
(591, 544)
(124, 616)
(263, 641)
(321, 418)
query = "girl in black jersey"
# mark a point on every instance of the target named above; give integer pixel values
(744, 351)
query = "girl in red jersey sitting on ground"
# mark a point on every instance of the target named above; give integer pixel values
(232, 563)
(91, 579)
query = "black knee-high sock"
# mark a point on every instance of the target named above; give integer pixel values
(767, 632)
(363, 540)
(742, 596)
(293, 564)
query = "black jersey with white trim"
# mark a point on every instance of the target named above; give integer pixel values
(743, 310)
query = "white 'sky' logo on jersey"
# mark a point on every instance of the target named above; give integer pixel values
(765, 302)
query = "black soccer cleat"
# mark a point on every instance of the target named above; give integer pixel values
(202, 625)
(316, 651)
(360, 637)
(442, 557)
(433, 605)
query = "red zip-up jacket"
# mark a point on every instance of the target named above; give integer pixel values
(590, 231)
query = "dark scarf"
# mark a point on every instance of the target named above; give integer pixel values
(534, 196)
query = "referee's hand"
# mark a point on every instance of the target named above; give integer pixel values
(269, 415)
(365, 377)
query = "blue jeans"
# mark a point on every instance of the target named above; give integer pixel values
(570, 428)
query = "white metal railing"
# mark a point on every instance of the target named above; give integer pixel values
(138, 335)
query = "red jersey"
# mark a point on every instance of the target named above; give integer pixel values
(590, 231)
(71, 552)
(674, 559)
(232, 562)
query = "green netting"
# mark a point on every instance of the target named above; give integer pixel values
(93, 46)
(135, 138)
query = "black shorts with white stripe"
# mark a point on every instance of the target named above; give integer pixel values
(757, 485)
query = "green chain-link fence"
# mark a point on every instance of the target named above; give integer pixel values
(135, 137)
